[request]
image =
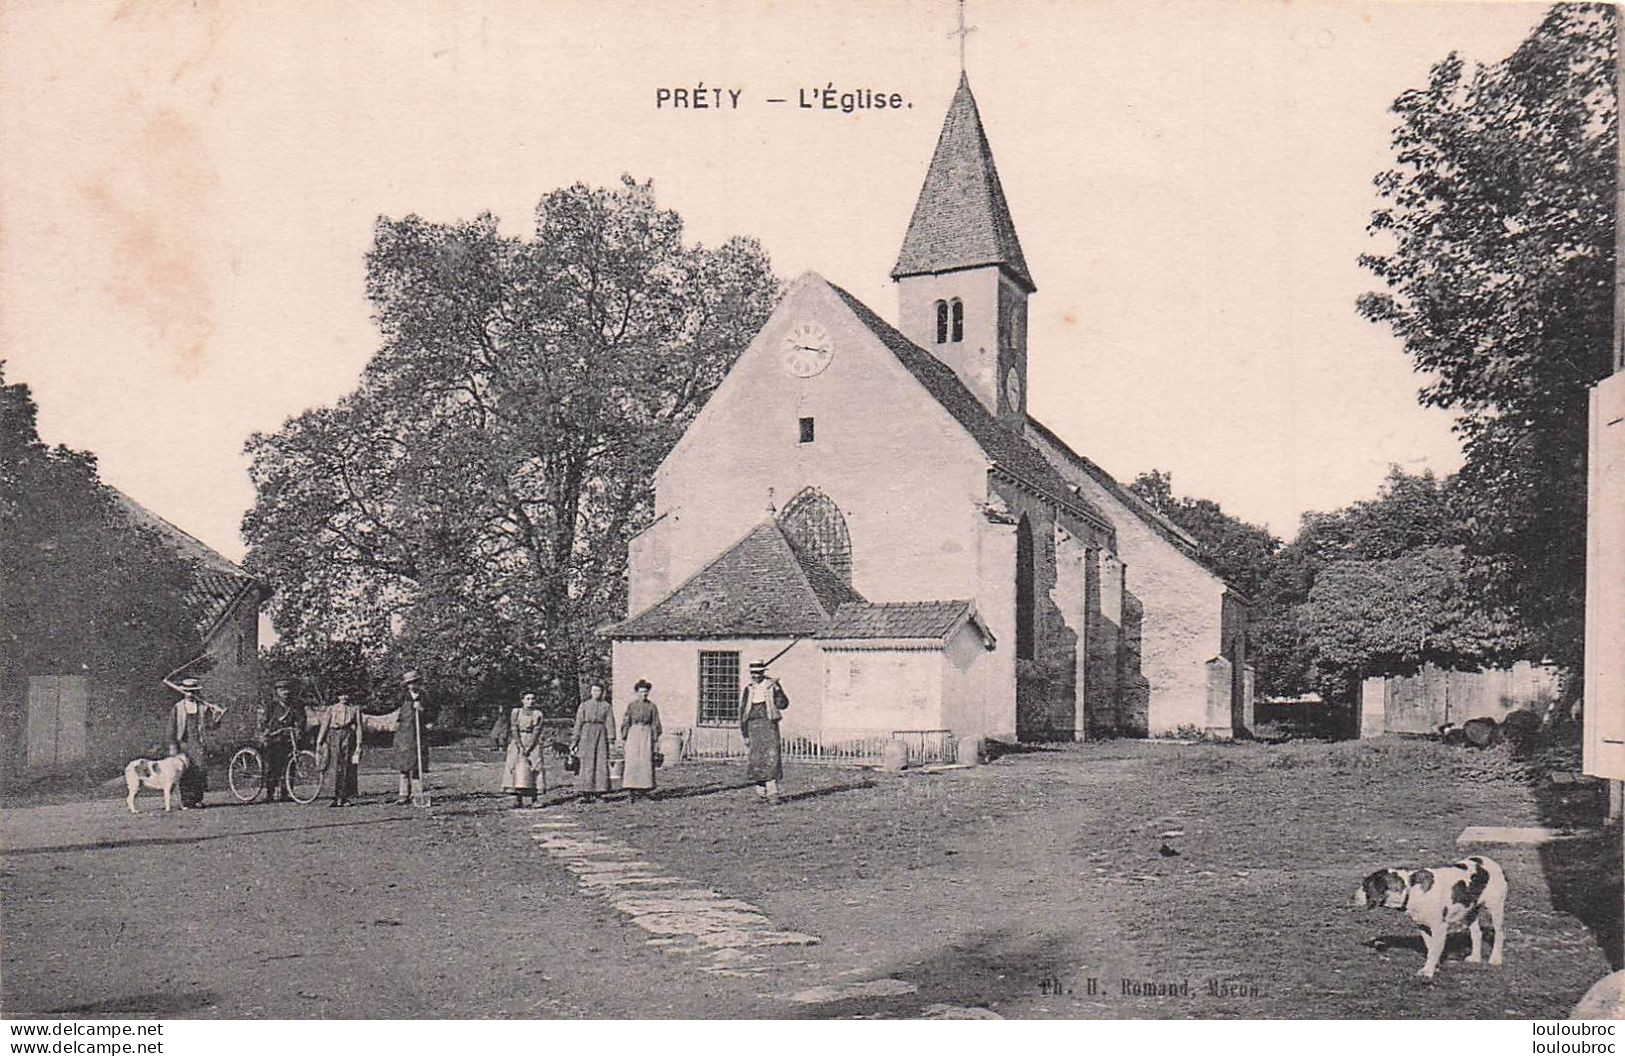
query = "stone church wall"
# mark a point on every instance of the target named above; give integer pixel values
(1170, 617)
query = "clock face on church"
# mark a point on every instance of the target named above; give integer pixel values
(807, 349)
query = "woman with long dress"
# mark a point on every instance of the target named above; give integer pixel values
(640, 732)
(340, 736)
(193, 718)
(523, 766)
(760, 704)
(595, 720)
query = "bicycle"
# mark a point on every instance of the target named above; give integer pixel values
(301, 779)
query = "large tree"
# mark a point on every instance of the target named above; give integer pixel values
(1380, 587)
(1499, 218)
(468, 507)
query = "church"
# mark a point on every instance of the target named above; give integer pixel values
(872, 509)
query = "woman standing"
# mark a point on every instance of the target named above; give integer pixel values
(340, 735)
(193, 718)
(524, 764)
(590, 744)
(760, 704)
(640, 732)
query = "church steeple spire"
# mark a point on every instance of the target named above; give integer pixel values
(961, 219)
(962, 281)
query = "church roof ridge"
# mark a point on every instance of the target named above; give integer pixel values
(1008, 451)
(1156, 519)
(961, 218)
(855, 621)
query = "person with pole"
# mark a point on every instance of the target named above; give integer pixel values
(416, 716)
(194, 717)
(761, 703)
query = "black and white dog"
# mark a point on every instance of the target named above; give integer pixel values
(1441, 897)
(161, 775)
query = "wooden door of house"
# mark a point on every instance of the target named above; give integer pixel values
(57, 707)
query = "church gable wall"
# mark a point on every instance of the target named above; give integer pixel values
(906, 477)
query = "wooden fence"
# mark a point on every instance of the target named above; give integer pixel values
(1434, 696)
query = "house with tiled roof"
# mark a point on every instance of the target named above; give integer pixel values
(872, 510)
(73, 723)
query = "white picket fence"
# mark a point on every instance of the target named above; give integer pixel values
(848, 747)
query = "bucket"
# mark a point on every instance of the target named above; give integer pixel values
(617, 769)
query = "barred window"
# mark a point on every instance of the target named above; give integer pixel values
(719, 688)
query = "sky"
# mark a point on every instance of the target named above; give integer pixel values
(190, 188)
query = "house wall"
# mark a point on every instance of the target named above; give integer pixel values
(231, 677)
(906, 476)
(882, 690)
(965, 661)
(674, 669)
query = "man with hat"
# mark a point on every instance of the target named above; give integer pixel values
(760, 704)
(417, 714)
(193, 718)
(280, 724)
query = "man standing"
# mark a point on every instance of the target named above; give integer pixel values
(193, 718)
(281, 723)
(413, 722)
(760, 704)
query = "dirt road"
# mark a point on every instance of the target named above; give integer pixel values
(1041, 885)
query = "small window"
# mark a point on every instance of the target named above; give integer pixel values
(959, 320)
(806, 430)
(719, 688)
(942, 322)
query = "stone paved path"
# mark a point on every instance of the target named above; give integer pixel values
(724, 935)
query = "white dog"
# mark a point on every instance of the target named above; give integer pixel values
(1440, 897)
(161, 775)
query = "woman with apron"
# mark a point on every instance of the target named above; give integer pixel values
(640, 732)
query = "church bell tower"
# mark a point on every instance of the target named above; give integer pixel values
(962, 282)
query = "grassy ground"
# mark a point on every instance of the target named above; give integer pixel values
(1008, 887)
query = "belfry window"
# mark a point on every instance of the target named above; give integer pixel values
(959, 319)
(1024, 589)
(942, 322)
(806, 430)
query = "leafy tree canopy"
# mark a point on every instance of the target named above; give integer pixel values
(1498, 218)
(467, 508)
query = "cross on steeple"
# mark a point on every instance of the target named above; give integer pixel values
(962, 32)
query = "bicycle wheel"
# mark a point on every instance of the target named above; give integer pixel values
(304, 776)
(246, 775)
